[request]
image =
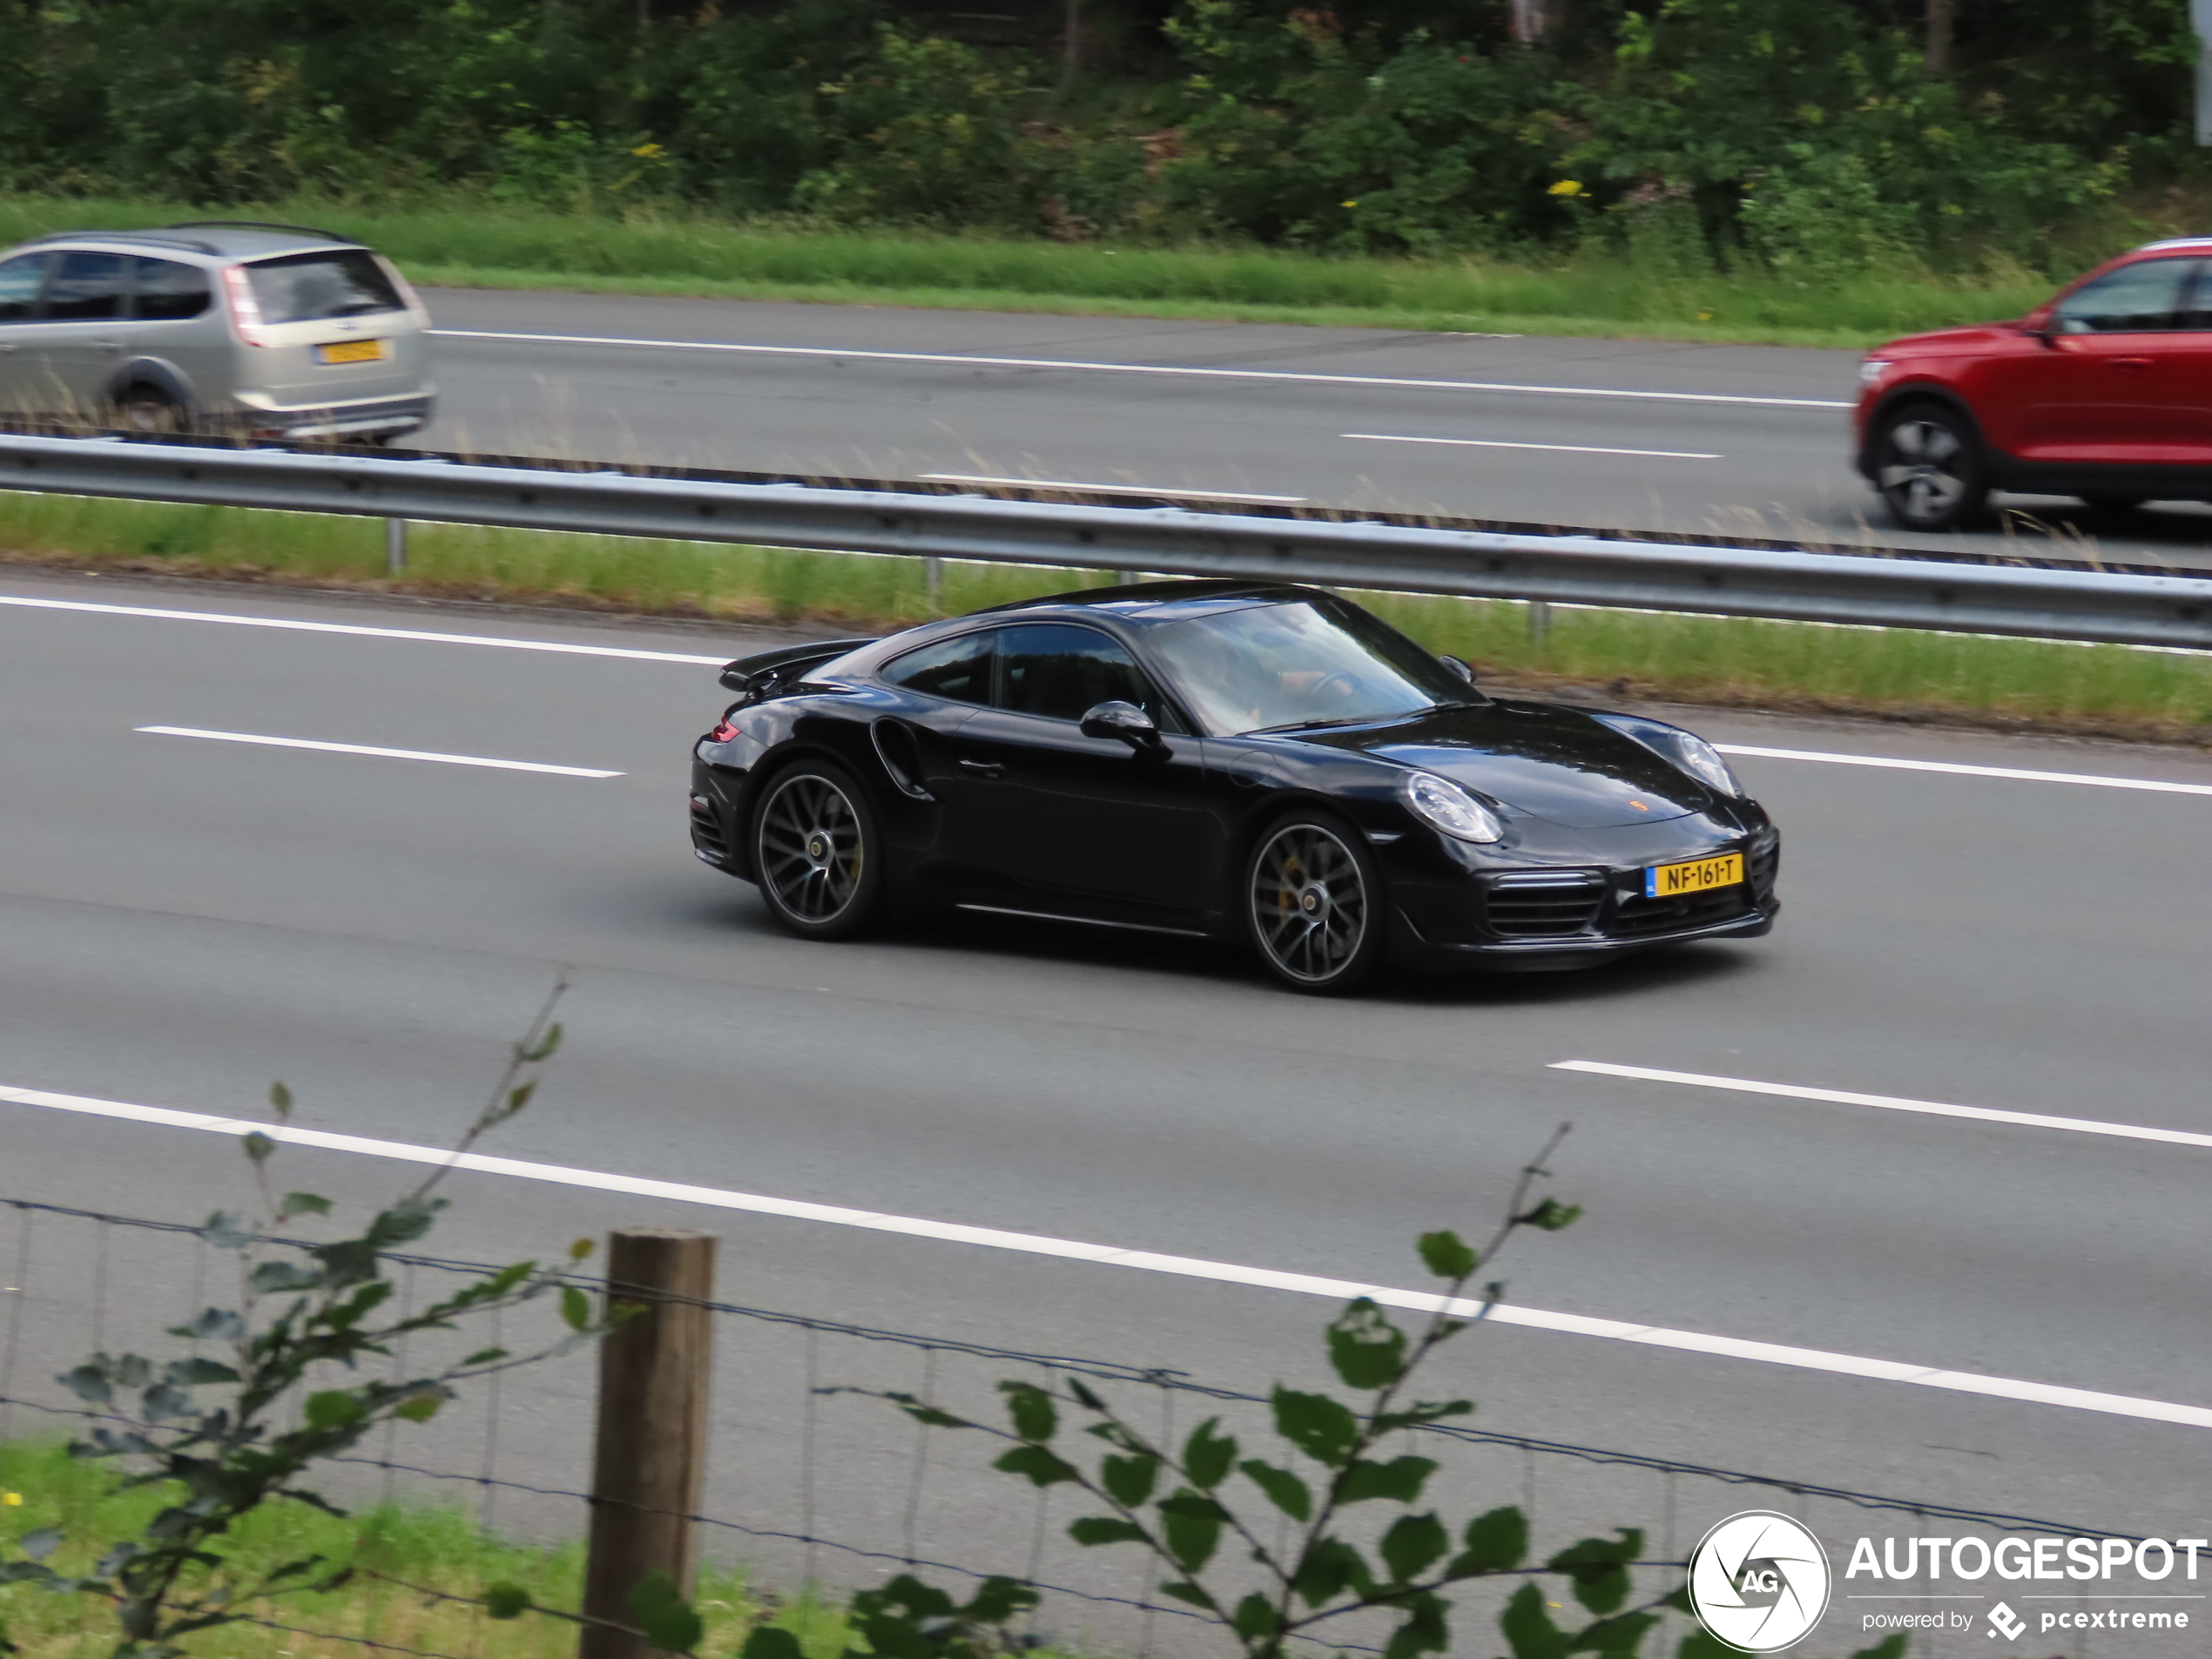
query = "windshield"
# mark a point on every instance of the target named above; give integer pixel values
(1307, 662)
(310, 288)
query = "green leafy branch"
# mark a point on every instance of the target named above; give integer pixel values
(1182, 1505)
(306, 1314)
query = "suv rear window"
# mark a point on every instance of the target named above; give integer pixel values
(307, 287)
(165, 291)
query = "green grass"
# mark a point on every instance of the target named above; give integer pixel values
(439, 1548)
(1723, 661)
(481, 246)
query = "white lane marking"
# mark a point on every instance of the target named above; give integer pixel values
(1154, 369)
(356, 629)
(1887, 1102)
(1108, 490)
(1562, 448)
(1965, 1382)
(366, 749)
(2157, 785)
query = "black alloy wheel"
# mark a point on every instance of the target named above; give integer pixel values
(1314, 901)
(1928, 466)
(148, 408)
(814, 853)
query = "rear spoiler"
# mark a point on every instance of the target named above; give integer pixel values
(756, 675)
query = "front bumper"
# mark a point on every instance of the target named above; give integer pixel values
(1544, 918)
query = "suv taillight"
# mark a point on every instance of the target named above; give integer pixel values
(246, 310)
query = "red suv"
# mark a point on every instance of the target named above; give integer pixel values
(2103, 392)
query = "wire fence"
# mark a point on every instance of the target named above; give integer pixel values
(814, 1480)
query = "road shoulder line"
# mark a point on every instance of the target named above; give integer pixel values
(1886, 1103)
(1146, 1261)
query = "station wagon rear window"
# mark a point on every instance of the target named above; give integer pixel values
(310, 288)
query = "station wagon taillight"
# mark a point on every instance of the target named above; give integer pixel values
(246, 310)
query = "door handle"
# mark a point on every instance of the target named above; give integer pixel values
(2131, 362)
(7, 346)
(982, 768)
(107, 345)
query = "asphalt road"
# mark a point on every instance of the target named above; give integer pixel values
(1738, 439)
(182, 920)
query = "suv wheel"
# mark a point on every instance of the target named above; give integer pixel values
(148, 408)
(1928, 466)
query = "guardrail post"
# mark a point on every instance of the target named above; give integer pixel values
(650, 1462)
(395, 546)
(932, 580)
(1540, 621)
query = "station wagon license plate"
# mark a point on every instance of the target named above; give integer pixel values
(351, 351)
(1698, 875)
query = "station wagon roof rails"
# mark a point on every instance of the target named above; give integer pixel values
(255, 225)
(154, 237)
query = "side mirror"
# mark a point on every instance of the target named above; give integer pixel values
(1123, 720)
(1457, 667)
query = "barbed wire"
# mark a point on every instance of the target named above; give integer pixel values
(1154, 1377)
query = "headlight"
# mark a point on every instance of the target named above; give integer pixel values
(1703, 762)
(1871, 369)
(1442, 805)
(1685, 751)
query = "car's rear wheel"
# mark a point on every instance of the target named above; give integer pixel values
(816, 852)
(1314, 903)
(148, 408)
(1928, 466)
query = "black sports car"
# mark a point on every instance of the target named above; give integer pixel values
(1228, 760)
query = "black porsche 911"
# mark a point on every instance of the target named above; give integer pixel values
(1227, 760)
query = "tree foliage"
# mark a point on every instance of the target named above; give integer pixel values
(1806, 131)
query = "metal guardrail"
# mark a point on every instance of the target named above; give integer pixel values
(2119, 609)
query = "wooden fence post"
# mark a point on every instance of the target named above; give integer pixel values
(650, 1462)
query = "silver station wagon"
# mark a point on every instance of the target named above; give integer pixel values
(256, 331)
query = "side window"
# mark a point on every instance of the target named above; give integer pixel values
(2139, 299)
(19, 284)
(164, 291)
(958, 669)
(1060, 671)
(87, 288)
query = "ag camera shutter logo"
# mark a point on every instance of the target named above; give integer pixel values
(1759, 1581)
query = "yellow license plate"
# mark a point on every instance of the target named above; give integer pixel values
(1698, 875)
(351, 351)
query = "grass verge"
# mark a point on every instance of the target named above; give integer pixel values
(2024, 685)
(648, 253)
(437, 1547)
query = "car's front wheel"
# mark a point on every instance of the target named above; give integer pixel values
(1314, 903)
(816, 852)
(1928, 466)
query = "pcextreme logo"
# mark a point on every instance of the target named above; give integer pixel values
(1759, 1581)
